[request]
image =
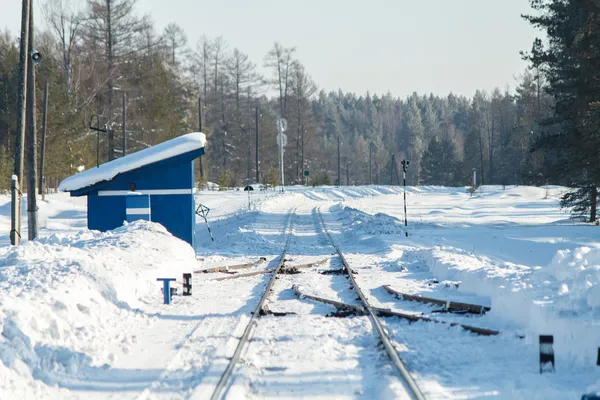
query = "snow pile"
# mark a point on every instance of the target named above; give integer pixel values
(68, 300)
(179, 145)
(561, 299)
(574, 277)
(378, 224)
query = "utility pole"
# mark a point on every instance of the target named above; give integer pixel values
(124, 145)
(370, 157)
(348, 174)
(392, 163)
(15, 229)
(110, 86)
(302, 149)
(32, 222)
(257, 142)
(339, 175)
(200, 130)
(43, 144)
(249, 172)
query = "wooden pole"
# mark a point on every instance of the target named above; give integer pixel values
(257, 143)
(15, 228)
(32, 222)
(339, 176)
(124, 145)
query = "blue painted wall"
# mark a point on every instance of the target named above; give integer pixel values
(176, 212)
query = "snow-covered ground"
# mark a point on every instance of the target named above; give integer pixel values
(81, 313)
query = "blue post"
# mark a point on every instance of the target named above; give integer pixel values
(137, 206)
(166, 288)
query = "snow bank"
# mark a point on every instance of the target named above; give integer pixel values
(68, 301)
(574, 277)
(378, 224)
(562, 299)
(179, 145)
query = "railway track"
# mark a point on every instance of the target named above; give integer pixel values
(414, 390)
(224, 380)
(411, 388)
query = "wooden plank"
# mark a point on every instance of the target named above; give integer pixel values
(448, 305)
(309, 265)
(412, 317)
(227, 268)
(340, 306)
(224, 278)
(389, 313)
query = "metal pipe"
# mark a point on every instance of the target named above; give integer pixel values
(43, 144)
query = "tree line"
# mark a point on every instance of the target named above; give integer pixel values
(103, 54)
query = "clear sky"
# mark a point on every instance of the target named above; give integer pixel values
(400, 46)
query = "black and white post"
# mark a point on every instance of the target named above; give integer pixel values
(404, 168)
(187, 284)
(546, 353)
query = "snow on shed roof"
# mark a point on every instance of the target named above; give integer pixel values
(105, 172)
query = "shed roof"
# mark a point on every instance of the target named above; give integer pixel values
(162, 151)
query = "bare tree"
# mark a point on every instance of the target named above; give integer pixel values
(176, 39)
(203, 56)
(114, 26)
(243, 74)
(65, 20)
(280, 59)
(303, 88)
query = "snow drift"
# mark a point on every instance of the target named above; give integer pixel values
(68, 298)
(560, 299)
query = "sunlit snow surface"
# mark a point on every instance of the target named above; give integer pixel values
(81, 313)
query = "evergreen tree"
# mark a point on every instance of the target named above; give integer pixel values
(570, 63)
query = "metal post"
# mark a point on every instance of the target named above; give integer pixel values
(474, 177)
(339, 178)
(32, 222)
(124, 124)
(256, 155)
(15, 211)
(249, 172)
(15, 229)
(404, 167)
(43, 144)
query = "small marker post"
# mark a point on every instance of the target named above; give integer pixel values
(166, 289)
(187, 284)
(546, 353)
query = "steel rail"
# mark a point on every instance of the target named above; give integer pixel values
(253, 320)
(385, 340)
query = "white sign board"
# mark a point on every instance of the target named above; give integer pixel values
(281, 137)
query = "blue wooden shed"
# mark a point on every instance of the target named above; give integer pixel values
(165, 173)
